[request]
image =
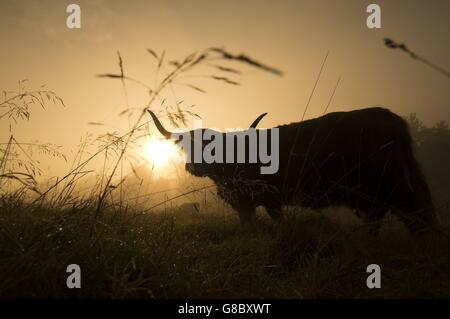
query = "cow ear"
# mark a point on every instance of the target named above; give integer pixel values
(258, 119)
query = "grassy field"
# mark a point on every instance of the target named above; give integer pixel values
(174, 255)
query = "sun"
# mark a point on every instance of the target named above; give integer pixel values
(159, 153)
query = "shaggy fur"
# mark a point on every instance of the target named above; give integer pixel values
(361, 159)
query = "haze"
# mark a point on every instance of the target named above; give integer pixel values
(293, 36)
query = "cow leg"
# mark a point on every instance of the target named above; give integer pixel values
(246, 215)
(374, 224)
(246, 211)
(274, 211)
(417, 221)
(373, 220)
(415, 211)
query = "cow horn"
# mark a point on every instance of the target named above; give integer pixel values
(159, 126)
(258, 119)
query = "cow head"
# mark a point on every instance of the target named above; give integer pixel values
(196, 145)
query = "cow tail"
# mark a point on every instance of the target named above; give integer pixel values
(423, 212)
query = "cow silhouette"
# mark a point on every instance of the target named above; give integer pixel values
(361, 159)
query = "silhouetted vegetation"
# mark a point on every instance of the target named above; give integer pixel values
(433, 152)
(129, 251)
(391, 44)
(171, 255)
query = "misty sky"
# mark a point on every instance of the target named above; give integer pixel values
(293, 36)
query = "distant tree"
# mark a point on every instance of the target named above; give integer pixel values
(416, 127)
(420, 132)
(433, 153)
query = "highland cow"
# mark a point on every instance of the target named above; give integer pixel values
(361, 159)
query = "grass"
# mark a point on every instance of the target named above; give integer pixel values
(173, 255)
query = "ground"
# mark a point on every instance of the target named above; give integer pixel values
(175, 255)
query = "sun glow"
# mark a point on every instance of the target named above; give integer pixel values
(159, 153)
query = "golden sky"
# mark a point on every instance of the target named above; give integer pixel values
(293, 36)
